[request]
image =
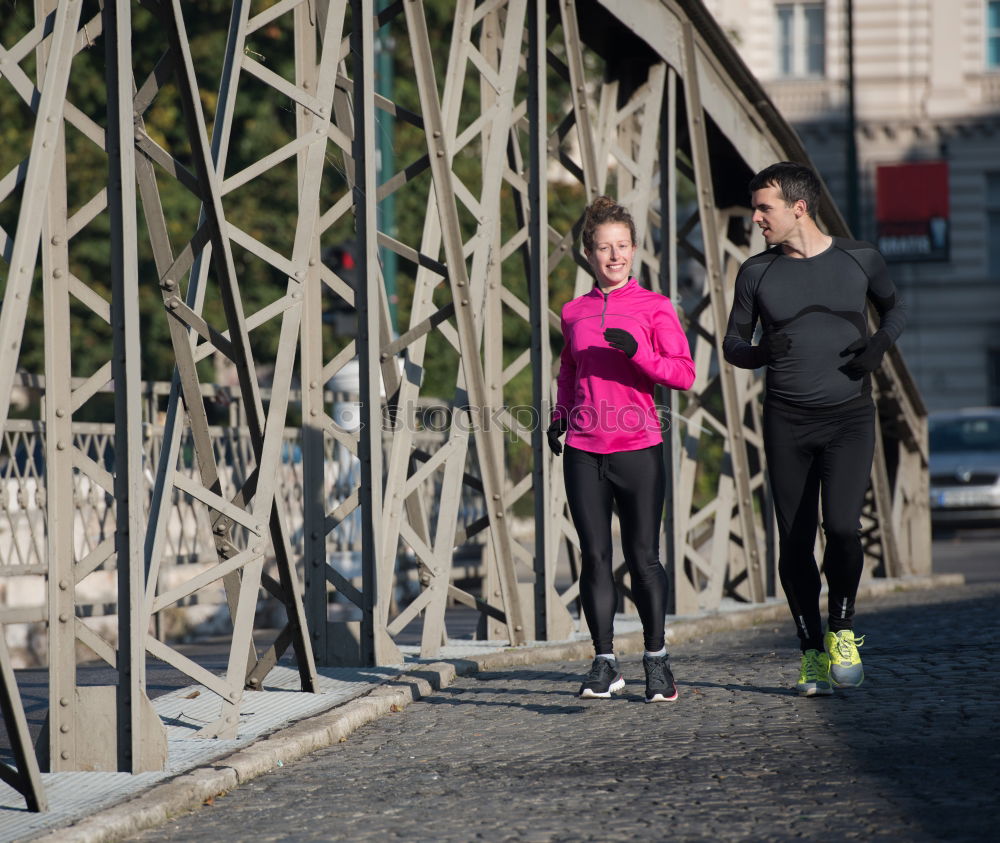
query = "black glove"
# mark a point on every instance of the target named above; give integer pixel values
(556, 429)
(867, 353)
(622, 340)
(775, 345)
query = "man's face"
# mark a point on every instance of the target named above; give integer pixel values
(776, 219)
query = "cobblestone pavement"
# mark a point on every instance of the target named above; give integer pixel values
(515, 755)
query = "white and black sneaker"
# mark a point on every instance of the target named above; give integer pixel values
(660, 685)
(603, 680)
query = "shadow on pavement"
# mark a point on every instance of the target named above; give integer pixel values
(161, 678)
(729, 686)
(923, 725)
(529, 684)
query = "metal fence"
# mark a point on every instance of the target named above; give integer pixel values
(189, 538)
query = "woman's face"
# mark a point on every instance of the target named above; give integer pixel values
(611, 258)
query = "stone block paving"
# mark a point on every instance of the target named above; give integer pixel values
(514, 755)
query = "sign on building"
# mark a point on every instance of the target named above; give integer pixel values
(911, 211)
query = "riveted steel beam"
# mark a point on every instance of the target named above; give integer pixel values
(740, 475)
(458, 278)
(128, 483)
(44, 151)
(59, 446)
(263, 513)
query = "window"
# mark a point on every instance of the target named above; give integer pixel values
(967, 433)
(802, 39)
(993, 224)
(993, 34)
(786, 64)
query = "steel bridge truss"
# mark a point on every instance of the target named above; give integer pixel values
(532, 103)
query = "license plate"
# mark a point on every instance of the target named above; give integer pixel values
(966, 497)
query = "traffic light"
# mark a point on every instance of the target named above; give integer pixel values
(342, 258)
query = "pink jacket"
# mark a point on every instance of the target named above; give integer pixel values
(607, 397)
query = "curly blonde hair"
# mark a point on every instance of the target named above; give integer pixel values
(603, 210)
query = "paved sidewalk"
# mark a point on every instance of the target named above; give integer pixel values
(89, 806)
(513, 754)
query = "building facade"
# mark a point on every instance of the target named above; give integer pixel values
(927, 136)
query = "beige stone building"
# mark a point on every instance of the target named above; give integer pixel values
(927, 90)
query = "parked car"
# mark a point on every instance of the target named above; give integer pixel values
(965, 467)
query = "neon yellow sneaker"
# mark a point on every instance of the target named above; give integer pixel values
(845, 663)
(814, 676)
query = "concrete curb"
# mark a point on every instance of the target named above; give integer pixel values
(190, 789)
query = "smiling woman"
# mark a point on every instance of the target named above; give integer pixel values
(620, 340)
(611, 255)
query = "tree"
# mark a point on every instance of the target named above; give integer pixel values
(266, 208)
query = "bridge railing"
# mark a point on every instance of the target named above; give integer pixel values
(189, 538)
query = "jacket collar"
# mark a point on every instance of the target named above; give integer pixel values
(626, 288)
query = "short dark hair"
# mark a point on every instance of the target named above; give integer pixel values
(794, 182)
(603, 210)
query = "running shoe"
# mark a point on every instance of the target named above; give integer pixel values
(660, 685)
(603, 680)
(845, 662)
(814, 677)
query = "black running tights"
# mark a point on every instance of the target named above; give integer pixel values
(811, 457)
(635, 482)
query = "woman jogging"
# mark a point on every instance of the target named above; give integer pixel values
(620, 340)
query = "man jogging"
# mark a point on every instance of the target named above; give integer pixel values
(809, 291)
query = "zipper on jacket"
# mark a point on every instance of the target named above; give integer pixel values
(604, 308)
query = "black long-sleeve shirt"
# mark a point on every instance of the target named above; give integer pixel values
(820, 304)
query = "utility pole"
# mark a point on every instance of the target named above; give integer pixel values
(384, 72)
(853, 214)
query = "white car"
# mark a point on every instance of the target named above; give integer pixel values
(965, 467)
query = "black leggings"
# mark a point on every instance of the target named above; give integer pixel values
(635, 481)
(813, 455)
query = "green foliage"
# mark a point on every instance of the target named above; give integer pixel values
(410, 143)
(86, 172)
(265, 208)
